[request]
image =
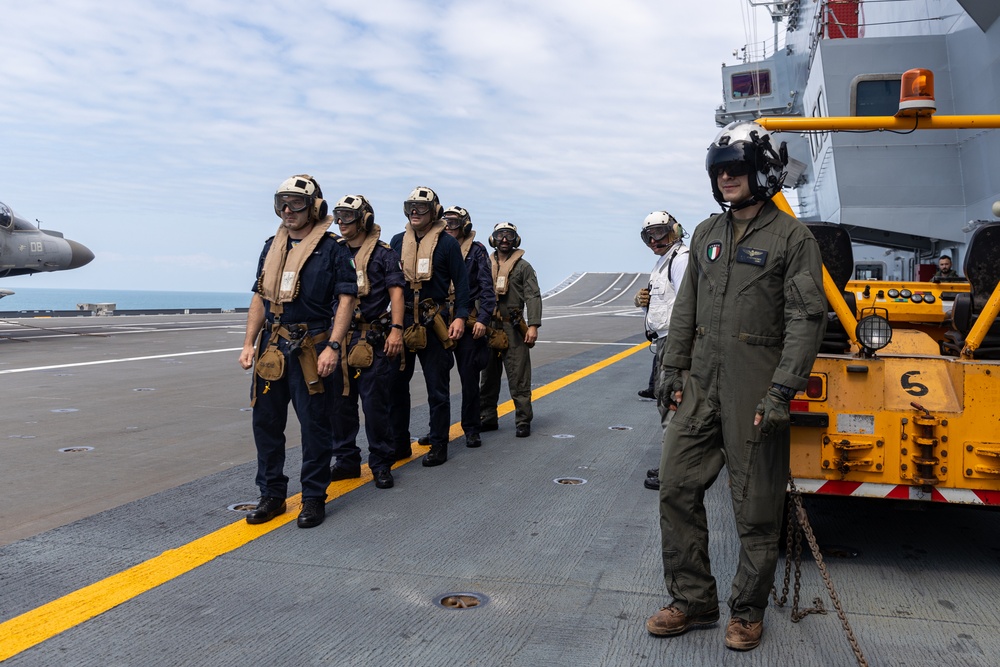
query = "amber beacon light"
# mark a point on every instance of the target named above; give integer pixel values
(916, 93)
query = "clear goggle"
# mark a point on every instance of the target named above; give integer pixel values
(505, 235)
(345, 216)
(295, 203)
(657, 233)
(418, 207)
(453, 222)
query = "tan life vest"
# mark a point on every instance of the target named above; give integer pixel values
(279, 279)
(418, 257)
(363, 257)
(501, 270)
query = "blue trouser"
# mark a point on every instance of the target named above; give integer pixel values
(270, 415)
(372, 386)
(436, 362)
(471, 356)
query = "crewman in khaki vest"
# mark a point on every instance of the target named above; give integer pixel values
(516, 288)
(432, 262)
(303, 270)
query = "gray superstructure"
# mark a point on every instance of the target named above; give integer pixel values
(919, 196)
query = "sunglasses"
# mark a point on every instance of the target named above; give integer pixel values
(734, 169)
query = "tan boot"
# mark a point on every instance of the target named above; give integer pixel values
(670, 621)
(743, 635)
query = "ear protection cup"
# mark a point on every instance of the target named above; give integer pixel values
(677, 229)
(319, 208)
(368, 219)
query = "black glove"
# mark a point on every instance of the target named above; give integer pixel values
(774, 410)
(668, 382)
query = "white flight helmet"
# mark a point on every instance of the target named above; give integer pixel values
(744, 147)
(668, 223)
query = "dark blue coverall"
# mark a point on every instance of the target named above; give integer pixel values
(435, 361)
(324, 277)
(370, 384)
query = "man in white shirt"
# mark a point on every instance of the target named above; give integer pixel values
(663, 234)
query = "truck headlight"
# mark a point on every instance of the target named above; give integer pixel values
(874, 331)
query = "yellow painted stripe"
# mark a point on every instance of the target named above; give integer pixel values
(33, 627)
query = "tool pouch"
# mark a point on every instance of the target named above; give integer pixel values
(496, 339)
(441, 331)
(415, 337)
(361, 354)
(271, 362)
(309, 360)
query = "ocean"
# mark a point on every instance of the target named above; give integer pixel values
(31, 298)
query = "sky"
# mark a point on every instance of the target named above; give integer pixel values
(155, 132)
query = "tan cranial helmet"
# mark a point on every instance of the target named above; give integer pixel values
(504, 227)
(462, 215)
(360, 209)
(298, 193)
(423, 196)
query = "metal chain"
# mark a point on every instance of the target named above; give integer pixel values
(798, 525)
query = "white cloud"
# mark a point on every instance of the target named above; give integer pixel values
(159, 131)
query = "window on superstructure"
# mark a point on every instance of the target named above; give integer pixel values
(816, 138)
(751, 84)
(875, 95)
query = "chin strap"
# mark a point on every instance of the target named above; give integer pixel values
(736, 207)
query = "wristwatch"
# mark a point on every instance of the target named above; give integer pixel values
(787, 392)
(335, 345)
(396, 326)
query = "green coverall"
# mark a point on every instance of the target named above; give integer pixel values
(748, 314)
(522, 292)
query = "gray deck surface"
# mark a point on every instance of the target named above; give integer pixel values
(571, 572)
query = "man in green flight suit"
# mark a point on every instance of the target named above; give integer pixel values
(516, 288)
(748, 321)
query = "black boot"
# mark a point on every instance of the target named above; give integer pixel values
(267, 508)
(437, 456)
(313, 512)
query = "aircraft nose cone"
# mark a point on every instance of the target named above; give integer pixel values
(81, 255)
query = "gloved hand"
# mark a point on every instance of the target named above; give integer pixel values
(772, 412)
(642, 298)
(668, 382)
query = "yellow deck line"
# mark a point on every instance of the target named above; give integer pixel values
(33, 627)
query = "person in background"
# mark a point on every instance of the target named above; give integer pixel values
(664, 236)
(516, 288)
(945, 274)
(303, 271)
